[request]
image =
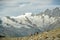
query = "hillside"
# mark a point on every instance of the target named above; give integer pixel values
(51, 35)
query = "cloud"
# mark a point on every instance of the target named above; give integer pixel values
(17, 7)
(22, 5)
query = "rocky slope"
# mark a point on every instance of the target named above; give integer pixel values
(51, 35)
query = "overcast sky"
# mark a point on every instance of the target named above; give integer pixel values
(18, 7)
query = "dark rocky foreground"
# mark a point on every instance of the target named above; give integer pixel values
(51, 35)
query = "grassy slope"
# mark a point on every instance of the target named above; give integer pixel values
(51, 35)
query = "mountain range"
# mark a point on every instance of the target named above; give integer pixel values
(29, 23)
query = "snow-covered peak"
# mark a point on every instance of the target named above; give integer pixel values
(27, 19)
(22, 16)
(28, 14)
